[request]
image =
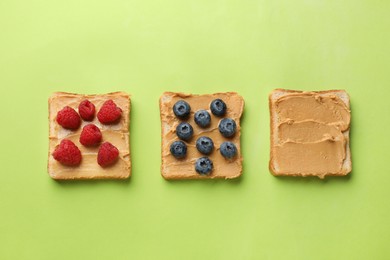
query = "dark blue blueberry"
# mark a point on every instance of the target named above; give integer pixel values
(203, 166)
(204, 145)
(227, 127)
(184, 131)
(218, 107)
(228, 150)
(178, 149)
(181, 109)
(202, 118)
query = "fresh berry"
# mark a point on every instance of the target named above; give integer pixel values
(67, 153)
(227, 127)
(68, 118)
(107, 155)
(228, 150)
(87, 110)
(178, 149)
(218, 107)
(204, 145)
(90, 135)
(181, 109)
(109, 113)
(184, 131)
(203, 166)
(202, 118)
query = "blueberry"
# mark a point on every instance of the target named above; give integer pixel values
(227, 127)
(204, 145)
(228, 150)
(178, 149)
(181, 109)
(203, 166)
(184, 131)
(218, 107)
(202, 118)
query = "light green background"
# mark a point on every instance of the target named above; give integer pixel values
(147, 47)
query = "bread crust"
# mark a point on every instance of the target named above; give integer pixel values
(273, 125)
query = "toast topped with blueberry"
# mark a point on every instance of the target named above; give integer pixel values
(201, 135)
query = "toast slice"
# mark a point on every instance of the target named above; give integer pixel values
(117, 133)
(184, 168)
(310, 133)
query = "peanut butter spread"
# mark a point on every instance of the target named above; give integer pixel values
(311, 134)
(173, 168)
(117, 134)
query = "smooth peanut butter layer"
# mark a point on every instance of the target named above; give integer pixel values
(117, 134)
(328, 109)
(173, 168)
(310, 133)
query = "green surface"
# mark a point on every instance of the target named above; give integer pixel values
(147, 47)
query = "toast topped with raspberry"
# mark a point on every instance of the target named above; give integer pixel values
(89, 136)
(201, 135)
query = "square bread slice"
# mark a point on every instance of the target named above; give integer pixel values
(310, 133)
(117, 134)
(184, 168)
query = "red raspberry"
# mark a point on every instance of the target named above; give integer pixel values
(87, 110)
(109, 113)
(90, 135)
(107, 155)
(68, 118)
(67, 153)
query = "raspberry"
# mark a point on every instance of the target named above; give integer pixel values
(67, 153)
(90, 135)
(109, 113)
(107, 155)
(87, 110)
(68, 118)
